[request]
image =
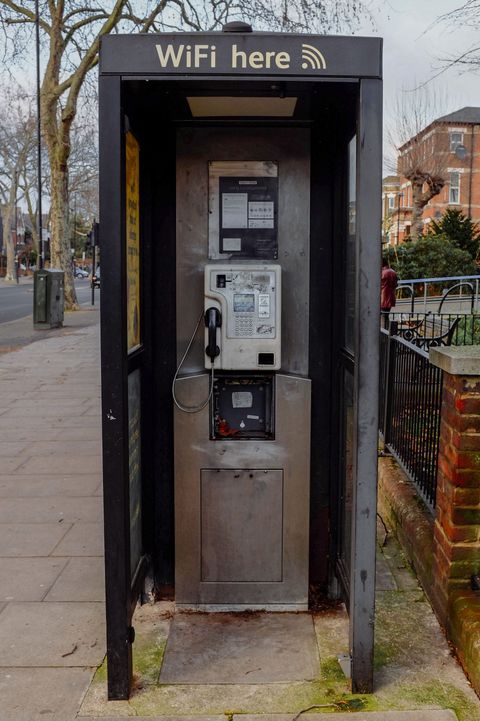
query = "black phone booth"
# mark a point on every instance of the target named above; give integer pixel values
(240, 189)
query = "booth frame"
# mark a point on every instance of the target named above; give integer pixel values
(123, 588)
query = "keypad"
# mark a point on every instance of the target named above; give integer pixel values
(244, 325)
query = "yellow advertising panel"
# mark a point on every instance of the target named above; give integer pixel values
(133, 242)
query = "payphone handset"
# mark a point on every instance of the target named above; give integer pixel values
(243, 317)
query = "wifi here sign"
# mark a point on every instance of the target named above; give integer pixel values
(197, 55)
(222, 54)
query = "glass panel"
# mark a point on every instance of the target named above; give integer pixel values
(135, 469)
(350, 248)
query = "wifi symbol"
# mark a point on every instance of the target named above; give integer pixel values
(312, 58)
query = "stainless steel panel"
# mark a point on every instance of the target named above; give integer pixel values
(290, 452)
(290, 147)
(241, 525)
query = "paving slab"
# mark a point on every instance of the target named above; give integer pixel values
(31, 539)
(11, 463)
(28, 579)
(220, 717)
(240, 648)
(424, 715)
(12, 448)
(60, 444)
(82, 539)
(81, 579)
(66, 402)
(52, 634)
(384, 578)
(50, 509)
(37, 485)
(40, 433)
(332, 629)
(77, 422)
(42, 694)
(62, 464)
(434, 715)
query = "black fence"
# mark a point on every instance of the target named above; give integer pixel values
(410, 402)
(426, 330)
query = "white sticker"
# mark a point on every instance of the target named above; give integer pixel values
(242, 399)
(257, 209)
(231, 244)
(234, 210)
(253, 418)
(264, 305)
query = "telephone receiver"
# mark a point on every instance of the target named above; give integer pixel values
(213, 320)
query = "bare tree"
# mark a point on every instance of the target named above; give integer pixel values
(421, 155)
(17, 138)
(71, 31)
(466, 15)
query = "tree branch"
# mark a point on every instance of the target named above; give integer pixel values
(27, 14)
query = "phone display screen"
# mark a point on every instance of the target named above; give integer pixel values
(244, 303)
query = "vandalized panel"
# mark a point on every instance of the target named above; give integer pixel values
(242, 408)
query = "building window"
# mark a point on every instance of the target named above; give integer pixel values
(391, 202)
(454, 193)
(456, 139)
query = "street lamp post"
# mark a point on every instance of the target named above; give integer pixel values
(41, 245)
(17, 262)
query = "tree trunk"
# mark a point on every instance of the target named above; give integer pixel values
(418, 205)
(57, 137)
(7, 215)
(420, 198)
(60, 254)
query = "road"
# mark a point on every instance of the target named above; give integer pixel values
(16, 301)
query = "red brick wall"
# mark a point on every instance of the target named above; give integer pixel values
(457, 525)
(445, 551)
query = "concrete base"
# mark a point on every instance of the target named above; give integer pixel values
(434, 715)
(240, 648)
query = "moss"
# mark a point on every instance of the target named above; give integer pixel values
(230, 699)
(384, 654)
(148, 659)
(101, 673)
(330, 670)
(442, 695)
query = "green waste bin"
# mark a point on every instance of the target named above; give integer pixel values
(48, 298)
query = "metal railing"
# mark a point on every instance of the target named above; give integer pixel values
(431, 292)
(427, 330)
(410, 403)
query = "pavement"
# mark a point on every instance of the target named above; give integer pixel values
(52, 635)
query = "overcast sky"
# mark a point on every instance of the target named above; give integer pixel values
(413, 47)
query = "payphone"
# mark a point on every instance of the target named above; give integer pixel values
(247, 299)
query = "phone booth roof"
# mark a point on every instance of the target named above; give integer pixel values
(239, 55)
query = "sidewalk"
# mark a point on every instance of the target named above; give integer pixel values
(51, 534)
(51, 587)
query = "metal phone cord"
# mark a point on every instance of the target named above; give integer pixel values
(180, 406)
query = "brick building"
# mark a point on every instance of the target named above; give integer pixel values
(449, 149)
(390, 204)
